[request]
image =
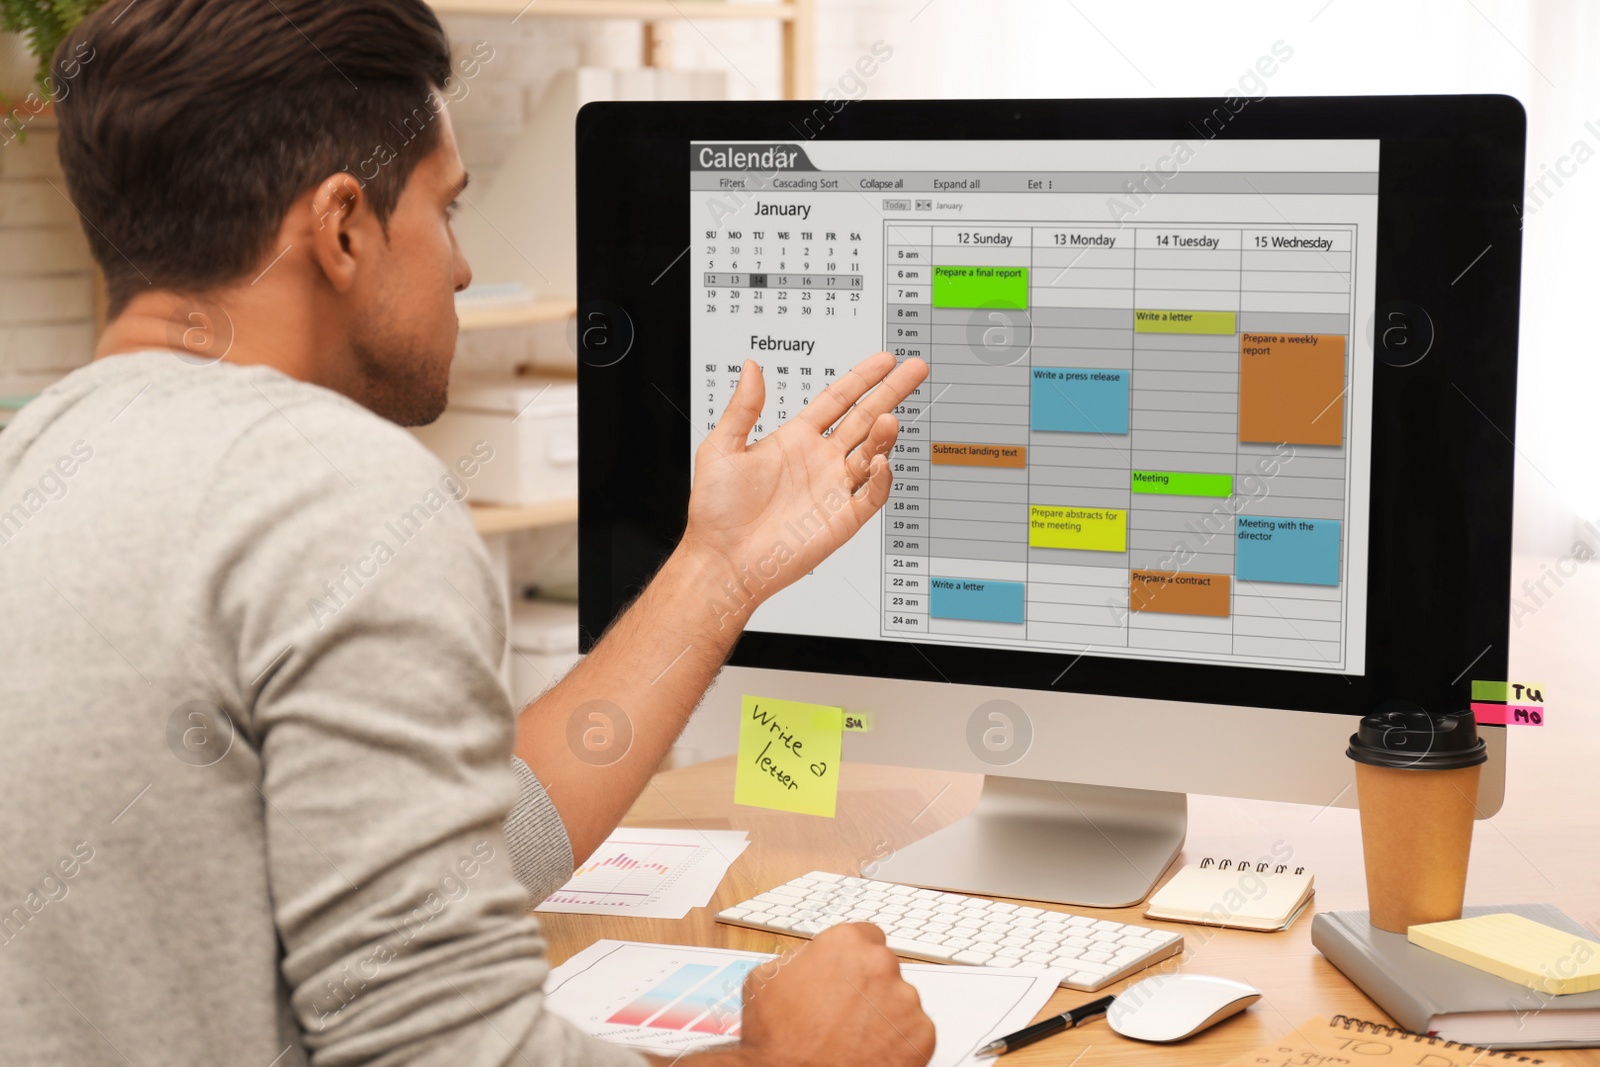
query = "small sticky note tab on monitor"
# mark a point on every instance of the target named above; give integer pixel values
(1489, 691)
(1508, 703)
(789, 756)
(1508, 714)
(857, 722)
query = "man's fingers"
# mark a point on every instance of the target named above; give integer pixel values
(878, 442)
(744, 408)
(885, 398)
(873, 493)
(836, 399)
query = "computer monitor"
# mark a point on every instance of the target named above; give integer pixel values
(1214, 455)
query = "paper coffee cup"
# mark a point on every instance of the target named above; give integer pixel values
(1417, 790)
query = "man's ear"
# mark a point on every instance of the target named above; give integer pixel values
(342, 229)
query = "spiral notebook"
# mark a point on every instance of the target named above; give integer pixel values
(1342, 1039)
(1243, 895)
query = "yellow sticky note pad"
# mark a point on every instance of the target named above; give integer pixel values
(789, 756)
(1516, 949)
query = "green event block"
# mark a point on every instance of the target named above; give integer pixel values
(1179, 483)
(980, 287)
(1490, 690)
(1220, 323)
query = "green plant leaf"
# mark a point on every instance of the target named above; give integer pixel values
(43, 23)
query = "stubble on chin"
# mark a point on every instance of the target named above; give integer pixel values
(400, 379)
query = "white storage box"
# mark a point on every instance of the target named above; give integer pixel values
(544, 642)
(532, 426)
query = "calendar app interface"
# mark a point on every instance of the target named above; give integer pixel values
(1146, 426)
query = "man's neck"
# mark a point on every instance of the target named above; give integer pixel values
(232, 327)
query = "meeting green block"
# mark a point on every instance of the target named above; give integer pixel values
(980, 287)
(1179, 483)
(1220, 323)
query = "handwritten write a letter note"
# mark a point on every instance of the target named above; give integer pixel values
(789, 756)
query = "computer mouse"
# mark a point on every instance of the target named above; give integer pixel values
(1171, 1007)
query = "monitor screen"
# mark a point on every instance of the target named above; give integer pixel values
(1144, 432)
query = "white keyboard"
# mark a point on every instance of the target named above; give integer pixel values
(926, 924)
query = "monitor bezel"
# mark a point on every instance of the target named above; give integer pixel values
(1442, 478)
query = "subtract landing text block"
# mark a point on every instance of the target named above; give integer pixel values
(1079, 400)
(1291, 388)
(1293, 551)
(1092, 529)
(1179, 593)
(977, 454)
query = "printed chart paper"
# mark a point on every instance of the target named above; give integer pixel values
(668, 999)
(655, 874)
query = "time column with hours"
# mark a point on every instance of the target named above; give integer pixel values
(908, 327)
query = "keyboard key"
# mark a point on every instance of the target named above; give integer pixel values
(972, 956)
(909, 947)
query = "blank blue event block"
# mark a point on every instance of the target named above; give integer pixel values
(1295, 551)
(1080, 399)
(976, 600)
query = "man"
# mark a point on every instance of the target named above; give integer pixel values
(241, 828)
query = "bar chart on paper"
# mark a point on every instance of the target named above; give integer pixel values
(671, 999)
(649, 873)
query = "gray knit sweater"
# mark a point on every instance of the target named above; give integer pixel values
(257, 799)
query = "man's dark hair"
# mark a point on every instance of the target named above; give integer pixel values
(188, 127)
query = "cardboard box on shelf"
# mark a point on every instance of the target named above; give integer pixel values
(530, 424)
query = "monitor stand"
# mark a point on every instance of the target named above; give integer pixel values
(1094, 846)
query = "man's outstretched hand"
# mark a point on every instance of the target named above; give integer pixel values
(769, 512)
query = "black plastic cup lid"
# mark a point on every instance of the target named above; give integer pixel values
(1403, 735)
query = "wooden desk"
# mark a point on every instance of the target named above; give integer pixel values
(879, 810)
(1543, 846)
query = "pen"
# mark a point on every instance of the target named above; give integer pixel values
(1053, 1025)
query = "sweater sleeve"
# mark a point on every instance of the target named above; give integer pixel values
(363, 618)
(541, 852)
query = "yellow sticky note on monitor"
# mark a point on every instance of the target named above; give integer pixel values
(789, 756)
(1516, 949)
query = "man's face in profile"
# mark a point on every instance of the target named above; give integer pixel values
(403, 332)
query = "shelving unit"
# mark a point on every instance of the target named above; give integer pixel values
(797, 30)
(537, 312)
(797, 17)
(493, 519)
